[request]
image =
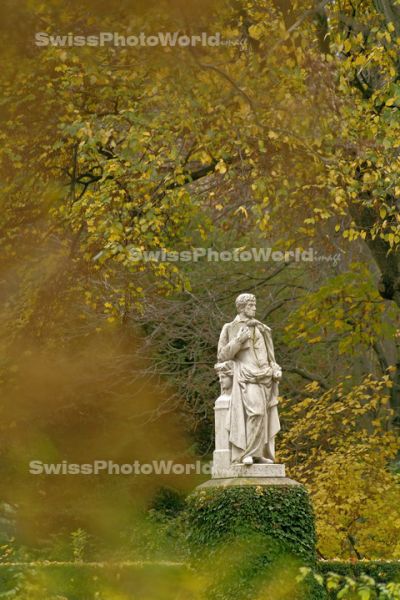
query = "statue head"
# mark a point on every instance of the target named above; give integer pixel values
(246, 305)
(225, 374)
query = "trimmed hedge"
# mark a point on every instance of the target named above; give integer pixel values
(154, 581)
(381, 570)
(249, 537)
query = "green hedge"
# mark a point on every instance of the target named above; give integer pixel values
(155, 581)
(252, 538)
(284, 513)
(380, 570)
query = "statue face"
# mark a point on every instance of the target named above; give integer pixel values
(225, 381)
(250, 309)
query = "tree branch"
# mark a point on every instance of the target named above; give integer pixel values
(307, 375)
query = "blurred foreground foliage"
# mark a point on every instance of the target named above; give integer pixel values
(169, 581)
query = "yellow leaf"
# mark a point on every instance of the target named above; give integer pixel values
(221, 167)
(347, 46)
(256, 31)
(243, 210)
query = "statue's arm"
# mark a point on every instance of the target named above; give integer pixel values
(270, 347)
(227, 350)
(276, 369)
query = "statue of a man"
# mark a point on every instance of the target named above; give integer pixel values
(253, 420)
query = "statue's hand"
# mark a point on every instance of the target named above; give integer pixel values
(244, 334)
(276, 372)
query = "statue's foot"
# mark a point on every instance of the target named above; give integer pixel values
(248, 460)
(261, 460)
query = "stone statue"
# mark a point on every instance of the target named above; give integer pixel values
(247, 418)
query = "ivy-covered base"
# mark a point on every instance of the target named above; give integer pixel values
(251, 540)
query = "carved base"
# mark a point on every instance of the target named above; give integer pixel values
(264, 482)
(220, 471)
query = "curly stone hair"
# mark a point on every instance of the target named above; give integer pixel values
(242, 300)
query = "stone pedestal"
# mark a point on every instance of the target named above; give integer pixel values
(248, 471)
(252, 481)
(222, 454)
